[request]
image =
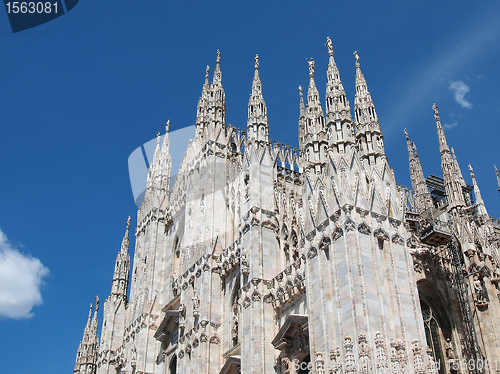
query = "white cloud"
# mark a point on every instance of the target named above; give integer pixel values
(475, 42)
(450, 125)
(20, 279)
(459, 90)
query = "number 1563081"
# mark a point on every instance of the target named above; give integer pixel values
(32, 7)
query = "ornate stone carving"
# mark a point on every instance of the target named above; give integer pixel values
(363, 228)
(349, 359)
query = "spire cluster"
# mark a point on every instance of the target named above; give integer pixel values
(211, 110)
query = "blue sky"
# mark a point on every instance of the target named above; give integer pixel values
(80, 93)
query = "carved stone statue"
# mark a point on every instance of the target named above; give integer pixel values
(449, 349)
(329, 45)
(478, 287)
(287, 365)
(196, 302)
(356, 56)
(256, 62)
(311, 67)
(436, 113)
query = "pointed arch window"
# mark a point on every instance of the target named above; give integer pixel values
(433, 334)
(235, 313)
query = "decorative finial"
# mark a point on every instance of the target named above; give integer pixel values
(158, 137)
(128, 223)
(311, 67)
(436, 113)
(167, 126)
(471, 169)
(96, 303)
(329, 45)
(256, 62)
(406, 134)
(300, 90)
(90, 311)
(356, 56)
(207, 70)
(218, 58)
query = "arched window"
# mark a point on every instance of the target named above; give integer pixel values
(235, 313)
(433, 334)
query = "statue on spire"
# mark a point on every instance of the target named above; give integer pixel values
(128, 223)
(311, 67)
(218, 57)
(256, 62)
(167, 128)
(96, 303)
(300, 90)
(436, 113)
(329, 45)
(356, 56)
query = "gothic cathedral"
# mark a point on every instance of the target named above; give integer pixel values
(263, 258)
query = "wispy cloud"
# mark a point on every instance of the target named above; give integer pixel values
(20, 279)
(450, 125)
(471, 44)
(460, 89)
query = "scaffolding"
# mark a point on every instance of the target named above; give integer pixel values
(471, 349)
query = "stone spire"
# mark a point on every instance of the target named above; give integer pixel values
(122, 267)
(314, 112)
(302, 120)
(457, 168)
(368, 133)
(315, 138)
(217, 79)
(158, 181)
(201, 111)
(423, 199)
(86, 356)
(217, 101)
(481, 208)
(257, 123)
(338, 111)
(452, 183)
(498, 178)
(93, 325)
